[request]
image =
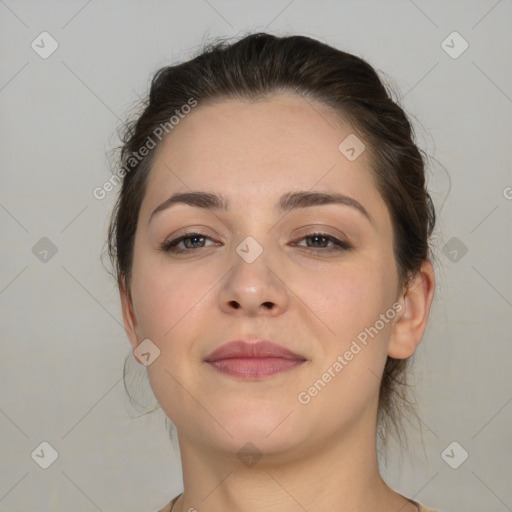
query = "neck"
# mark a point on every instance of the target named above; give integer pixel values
(334, 475)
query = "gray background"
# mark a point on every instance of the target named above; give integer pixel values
(63, 344)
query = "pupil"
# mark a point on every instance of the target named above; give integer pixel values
(194, 239)
(318, 237)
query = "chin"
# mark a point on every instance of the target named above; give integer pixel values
(254, 445)
(270, 432)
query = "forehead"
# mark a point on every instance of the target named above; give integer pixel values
(255, 150)
(280, 129)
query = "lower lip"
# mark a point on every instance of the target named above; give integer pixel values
(254, 368)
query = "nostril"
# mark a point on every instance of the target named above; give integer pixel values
(234, 303)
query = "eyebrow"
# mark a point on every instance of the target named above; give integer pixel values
(286, 203)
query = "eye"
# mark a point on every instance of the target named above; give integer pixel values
(195, 240)
(191, 241)
(320, 241)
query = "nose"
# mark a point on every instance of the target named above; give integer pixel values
(252, 289)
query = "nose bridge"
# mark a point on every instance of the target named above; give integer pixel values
(252, 286)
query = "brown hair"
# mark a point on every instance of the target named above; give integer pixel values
(260, 64)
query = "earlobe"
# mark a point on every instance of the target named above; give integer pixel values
(412, 321)
(129, 318)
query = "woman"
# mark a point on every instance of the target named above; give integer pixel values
(271, 245)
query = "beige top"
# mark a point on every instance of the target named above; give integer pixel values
(169, 505)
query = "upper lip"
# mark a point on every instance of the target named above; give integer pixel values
(258, 349)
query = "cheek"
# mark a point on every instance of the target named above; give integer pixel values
(344, 300)
(168, 297)
(346, 377)
(171, 310)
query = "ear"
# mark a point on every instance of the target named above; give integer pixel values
(129, 318)
(411, 321)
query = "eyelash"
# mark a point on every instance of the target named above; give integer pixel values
(171, 245)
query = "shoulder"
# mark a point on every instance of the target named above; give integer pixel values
(167, 508)
(421, 508)
(169, 505)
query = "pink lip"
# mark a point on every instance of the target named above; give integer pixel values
(253, 360)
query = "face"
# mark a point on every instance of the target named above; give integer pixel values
(318, 278)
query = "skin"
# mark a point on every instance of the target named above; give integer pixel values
(319, 456)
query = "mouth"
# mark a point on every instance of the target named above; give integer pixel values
(253, 360)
